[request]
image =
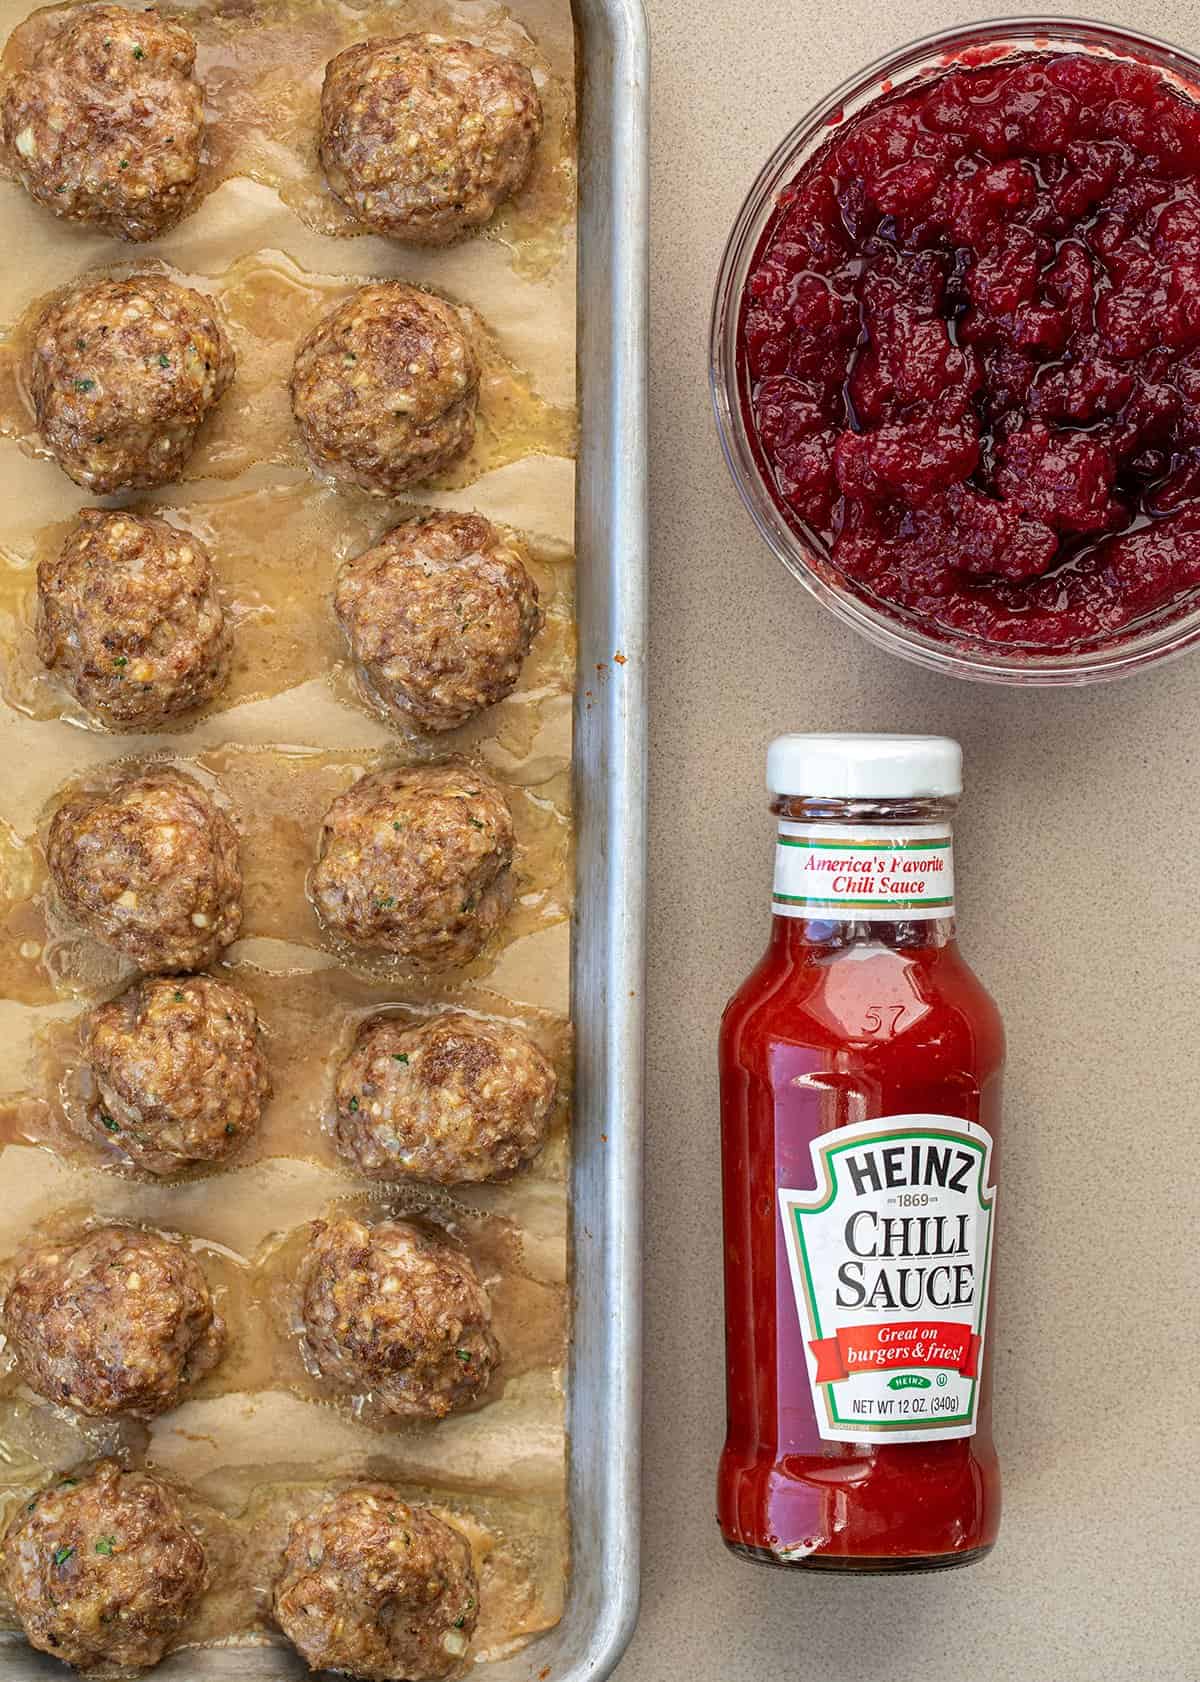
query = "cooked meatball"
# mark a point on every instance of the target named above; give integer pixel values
(180, 1073)
(106, 124)
(377, 1589)
(439, 615)
(123, 374)
(451, 1099)
(150, 866)
(398, 1313)
(384, 388)
(114, 1321)
(103, 1569)
(424, 137)
(417, 862)
(128, 613)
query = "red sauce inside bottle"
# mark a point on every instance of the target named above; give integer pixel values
(841, 1022)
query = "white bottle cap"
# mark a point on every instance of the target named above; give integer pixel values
(874, 767)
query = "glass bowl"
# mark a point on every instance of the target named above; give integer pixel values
(1173, 628)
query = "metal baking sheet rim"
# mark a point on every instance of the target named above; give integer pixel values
(604, 1397)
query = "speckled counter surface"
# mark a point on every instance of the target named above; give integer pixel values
(1078, 844)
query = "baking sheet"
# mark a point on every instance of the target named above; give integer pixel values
(291, 731)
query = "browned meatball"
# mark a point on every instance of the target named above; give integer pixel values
(423, 137)
(377, 1589)
(180, 1073)
(398, 1313)
(384, 388)
(150, 866)
(114, 1321)
(448, 1100)
(123, 374)
(103, 1569)
(106, 125)
(128, 613)
(417, 862)
(439, 615)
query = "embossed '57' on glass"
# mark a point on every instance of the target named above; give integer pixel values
(860, 1106)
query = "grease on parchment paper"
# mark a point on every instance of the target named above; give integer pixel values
(275, 550)
(261, 69)
(268, 303)
(501, 1468)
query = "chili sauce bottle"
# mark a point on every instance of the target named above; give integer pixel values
(860, 1101)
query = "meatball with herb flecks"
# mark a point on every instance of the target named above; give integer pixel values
(384, 388)
(117, 1320)
(423, 137)
(449, 1100)
(440, 615)
(123, 373)
(180, 1074)
(395, 1313)
(377, 1589)
(103, 1570)
(417, 862)
(129, 615)
(150, 867)
(106, 125)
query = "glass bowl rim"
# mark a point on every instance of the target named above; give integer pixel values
(802, 557)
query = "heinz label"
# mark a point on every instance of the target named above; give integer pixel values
(866, 872)
(890, 1258)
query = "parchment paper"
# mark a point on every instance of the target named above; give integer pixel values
(258, 1441)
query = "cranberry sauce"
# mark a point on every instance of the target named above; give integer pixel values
(970, 343)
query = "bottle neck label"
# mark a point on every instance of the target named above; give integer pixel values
(890, 1256)
(862, 872)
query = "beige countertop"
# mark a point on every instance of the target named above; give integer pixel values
(1078, 841)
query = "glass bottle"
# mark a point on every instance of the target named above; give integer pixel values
(860, 1101)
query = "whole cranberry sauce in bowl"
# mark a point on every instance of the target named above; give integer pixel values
(956, 352)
